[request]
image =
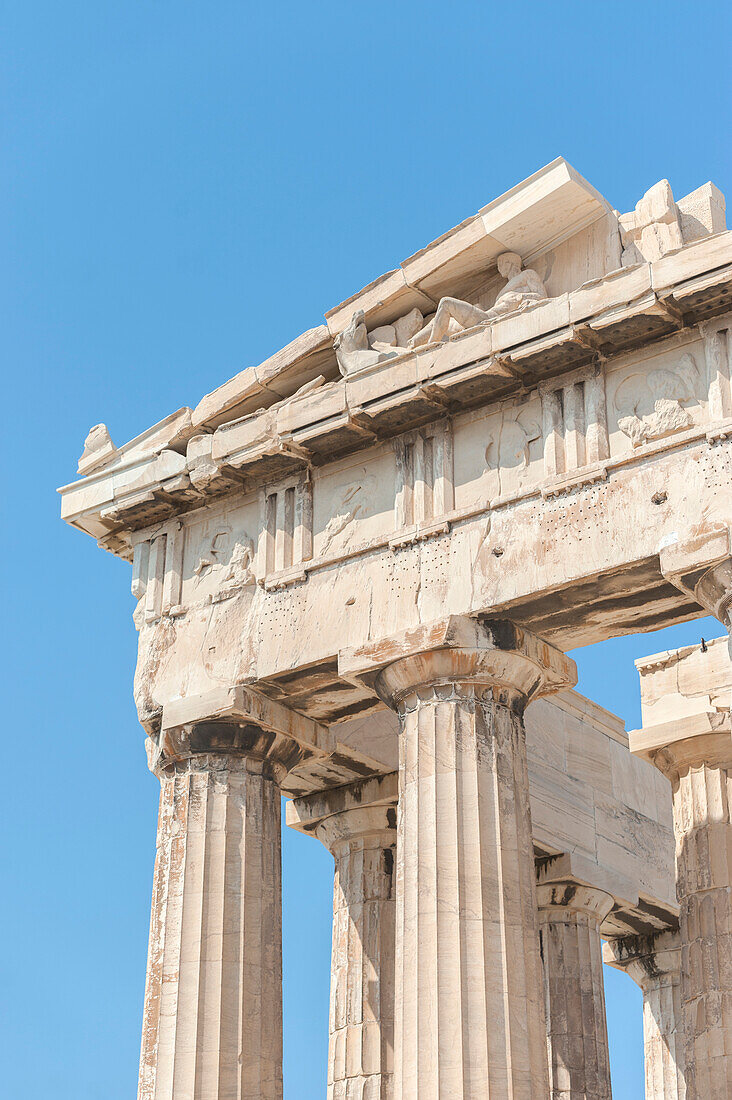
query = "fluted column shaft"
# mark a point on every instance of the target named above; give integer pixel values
(654, 963)
(212, 1026)
(360, 1053)
(469, 1018)
(570, 915)
(469, 1013)
(703, 827)
(663, 1047)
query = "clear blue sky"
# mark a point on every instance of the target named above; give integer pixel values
(185, 188)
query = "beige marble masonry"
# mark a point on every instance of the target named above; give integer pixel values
(700, 565)
(589, 797)
(357, 824)
(653, 228)
(654, 963)
(635, 359)
(529, 423)
(469, 1012)
(581, 777)
(212, 1025)
(212, 1022)
(686, 734)
(570, 915)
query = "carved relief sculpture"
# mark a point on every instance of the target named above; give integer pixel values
(388, 338)
(349, 505)
(351, 599)
(357, 349)
(240, 572)
(652, 406)
(509, 452)
(522, 289)
(352, 347)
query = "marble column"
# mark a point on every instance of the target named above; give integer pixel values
(702, 782)
(686, 696)
(361, 1046)
(357, 823)
(570, 915)
(654, 963)
(694, 750)
(212, 1026)
(469, 1019)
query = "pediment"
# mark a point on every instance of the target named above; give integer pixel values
(539, 214)
(556, 221)
(592, 284)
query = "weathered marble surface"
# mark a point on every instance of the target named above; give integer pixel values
(505, 506)
(185, 570)
(654, 963)
(212, 1023)
(469, 1012)
(610, 811)
(687, 735)
(589, 796)
(575, 897)
(562, 468)
(570, 915)
(357, 823)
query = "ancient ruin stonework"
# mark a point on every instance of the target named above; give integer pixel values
(357, 569)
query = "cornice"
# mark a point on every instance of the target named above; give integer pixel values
(627, 310)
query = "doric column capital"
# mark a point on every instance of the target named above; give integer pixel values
(693, 741)
(357, 815)
(573, 897)
(237, 722)
(712, 749)
(654, 964)
(482, 659)
(359, 827)
(222, 763)
(648, 960)
(686, 713)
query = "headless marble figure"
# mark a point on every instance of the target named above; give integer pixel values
(522, 288)
(352, 347)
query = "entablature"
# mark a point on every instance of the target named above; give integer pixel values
(562, 349)
(480, 512)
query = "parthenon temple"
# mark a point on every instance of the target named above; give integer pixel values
(358, 568)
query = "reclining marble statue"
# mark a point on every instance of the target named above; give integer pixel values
(523, 287)
(358, 568)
